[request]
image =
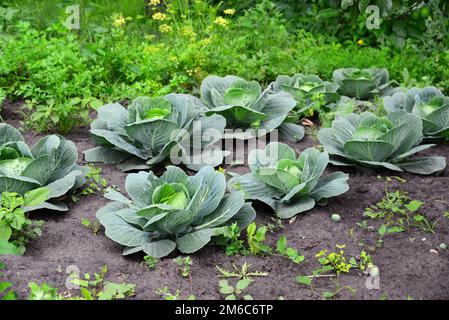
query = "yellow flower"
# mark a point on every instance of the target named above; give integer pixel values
(164, 28)
(152, 49)
(150, 37)
(229, 12)
(206, 41)
(120, 21)
(221, 21)
(187, 31)
(360, 42)
(154, 2)
(159, 16)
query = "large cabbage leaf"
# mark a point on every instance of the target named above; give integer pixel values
(174, 211)
(289, 185)
(386, 142)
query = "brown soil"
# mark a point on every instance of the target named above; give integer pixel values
(408, 267)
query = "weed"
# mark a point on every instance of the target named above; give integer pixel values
(330, 262)
(364, 225)
(276, 224)
(230, 240)
(150, 261)
(95, 288)
(333, 261)
(96, 183)
(91, 288)
(43, 292)
(5, 288)
(383, 296)
(15, 226)
(288, 252)
(398, 213)
(242, 273)
(165, 294)
(306, 280)
(362, 262)
(235, 293)
(184, 264)
(338, 289)
(93, 225)
(256, 238)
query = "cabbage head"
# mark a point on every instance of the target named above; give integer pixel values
(289, 185)
(150, 129)
(427, 103)
(362, 84)
(246, 106)
(175, 211)
(307, 90)
(369, 141)
(50, 163)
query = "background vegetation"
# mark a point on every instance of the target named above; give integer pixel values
(125, 49)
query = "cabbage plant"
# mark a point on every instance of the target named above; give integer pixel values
(246, 106)
(175, 211)
(307, 90)
(362, 83)
(427, 103)
(151, 129)
(50, 163)
(370, 141)
(289, 185)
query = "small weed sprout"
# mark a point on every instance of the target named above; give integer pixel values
(288, 252)
(235, 293)
(95, 288)
(165, 294)
(150, 261)
(95, 226)
(231, 242)
(184, 264)
(333, 261)
(338, 289)
(242, 273)
(95, 183)
(256, 238)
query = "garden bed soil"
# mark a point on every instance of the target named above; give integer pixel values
(410, 263)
